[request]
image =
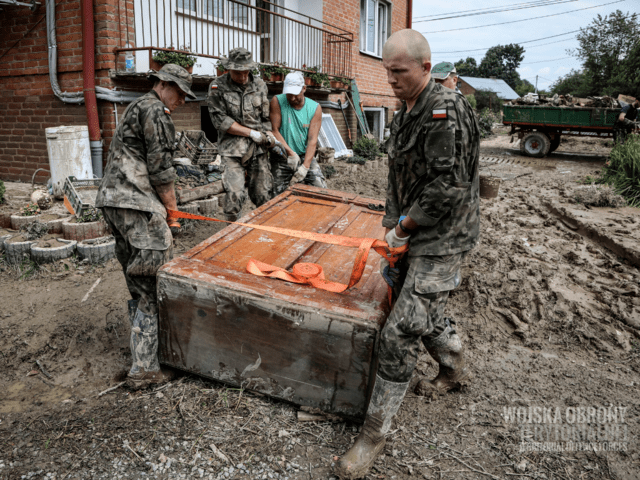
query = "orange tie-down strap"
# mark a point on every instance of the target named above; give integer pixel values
(311, 273)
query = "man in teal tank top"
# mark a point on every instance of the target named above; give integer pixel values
(296, 122)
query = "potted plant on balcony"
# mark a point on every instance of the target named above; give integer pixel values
(314, 77)
(163, 57)
(340, 82)
(220, 69)
(274, 72)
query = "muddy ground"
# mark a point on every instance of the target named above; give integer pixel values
(548, 312)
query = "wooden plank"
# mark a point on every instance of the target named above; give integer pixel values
(197, 193)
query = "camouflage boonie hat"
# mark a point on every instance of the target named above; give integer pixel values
(175, 73)
(443, 70)
(239, 59)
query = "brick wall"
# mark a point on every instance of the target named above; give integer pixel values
(465, 88)
(368, 71)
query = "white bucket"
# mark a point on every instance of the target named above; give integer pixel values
(69, 154)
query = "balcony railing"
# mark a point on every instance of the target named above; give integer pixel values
(209, 29)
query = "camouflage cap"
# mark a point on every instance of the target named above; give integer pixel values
(239, 59)
(175, 73)
(443, 70)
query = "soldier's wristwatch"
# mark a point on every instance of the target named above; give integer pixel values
(402, 227)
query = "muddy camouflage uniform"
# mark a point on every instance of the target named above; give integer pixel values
(433, 178)
(247, 105)
(140, 157)
(621, 129)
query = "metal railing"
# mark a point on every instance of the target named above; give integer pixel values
(209, 29)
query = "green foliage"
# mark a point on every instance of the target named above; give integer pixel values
(220, 68)
(502, 61)
(91, 214)
(275, 68)
(328, 170)
(34, 230)
(622, 170)
(472, 100)
(31, 210)
(357, 160)
(2, 190)
(367, 148)
(486, 119)
(487, 99)
(467, 68)
(176, 58)
(609, 49)
(524, 87)
(588, 180)
(574, 83)
(316, 75)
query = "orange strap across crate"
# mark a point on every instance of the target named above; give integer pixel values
(311, 273)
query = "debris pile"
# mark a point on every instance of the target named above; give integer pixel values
(196, 161)
(566, 101)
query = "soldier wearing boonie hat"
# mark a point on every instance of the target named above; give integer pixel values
(135, 193)
(445, 74)
(239, 109)
(296, 122)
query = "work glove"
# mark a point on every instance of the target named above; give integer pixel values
(293, 162)
(300, 174)
(279, 150)
(267, 140)
(389, 274)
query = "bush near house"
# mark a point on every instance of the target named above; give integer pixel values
(472, 101)
(486, 119)
(487, 99)
(367, 148)
(622, 170)
(176, 58)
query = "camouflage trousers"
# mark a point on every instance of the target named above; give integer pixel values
(418, 313)
(282, 174)
(254, 176)
(621, 131)
(143, 245)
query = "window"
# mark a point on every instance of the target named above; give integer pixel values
(239, 14)
(375, 18)
(375, 120)
(212, 8)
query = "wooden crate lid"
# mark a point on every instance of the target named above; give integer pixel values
(221, 260)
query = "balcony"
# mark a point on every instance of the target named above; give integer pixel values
(208, 29)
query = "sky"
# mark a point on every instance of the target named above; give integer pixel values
(543, 58)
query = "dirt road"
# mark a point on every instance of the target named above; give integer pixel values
(549, 310)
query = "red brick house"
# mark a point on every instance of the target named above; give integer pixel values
(343, 38)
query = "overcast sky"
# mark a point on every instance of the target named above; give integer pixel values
(547, 61)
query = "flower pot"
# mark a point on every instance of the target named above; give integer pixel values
(309, 82)
(275, 77)
(336, 84)
(49, 250)
(221, 72)
(153, 65)
(18, 221)
(83, 231)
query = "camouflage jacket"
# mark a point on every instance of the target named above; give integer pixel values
(140, 156)
(248, 105)
(433, 172)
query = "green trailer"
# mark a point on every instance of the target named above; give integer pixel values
(540, 127)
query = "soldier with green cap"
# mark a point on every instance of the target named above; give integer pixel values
(135, 193)
(239, 110)
(445, 74)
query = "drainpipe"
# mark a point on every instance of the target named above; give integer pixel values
(89, 86)
(409, 13)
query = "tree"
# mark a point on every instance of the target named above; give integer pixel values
(524, 87)
(574, 83)
(606, 48)
(501, 62)
(467, 68)
(626, 75)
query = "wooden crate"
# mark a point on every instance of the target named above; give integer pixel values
(293, 342)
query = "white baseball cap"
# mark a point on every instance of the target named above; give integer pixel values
(293, 83)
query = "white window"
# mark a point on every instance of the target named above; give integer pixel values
(375, 120)
(213, 8)
(375, 18)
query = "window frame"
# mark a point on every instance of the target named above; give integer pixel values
(382, 27)
(382, 111)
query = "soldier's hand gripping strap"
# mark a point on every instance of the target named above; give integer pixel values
(167, 196)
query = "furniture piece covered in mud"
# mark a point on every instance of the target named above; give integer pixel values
(290, 341)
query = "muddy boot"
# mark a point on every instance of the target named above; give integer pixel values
(446, 349)
(145, 369)
(385, 402)
(230, 217)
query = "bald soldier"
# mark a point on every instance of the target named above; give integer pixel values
(432, 204)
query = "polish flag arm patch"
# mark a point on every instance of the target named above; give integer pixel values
(442, 113)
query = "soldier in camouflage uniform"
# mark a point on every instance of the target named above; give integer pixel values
(296, 122)
(433, 204)
(626, 122)
(135, 193)
(239, 110)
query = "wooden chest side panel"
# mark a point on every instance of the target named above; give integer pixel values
(296, 354)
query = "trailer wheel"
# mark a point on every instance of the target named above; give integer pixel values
(555, 143)
(535, 144)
